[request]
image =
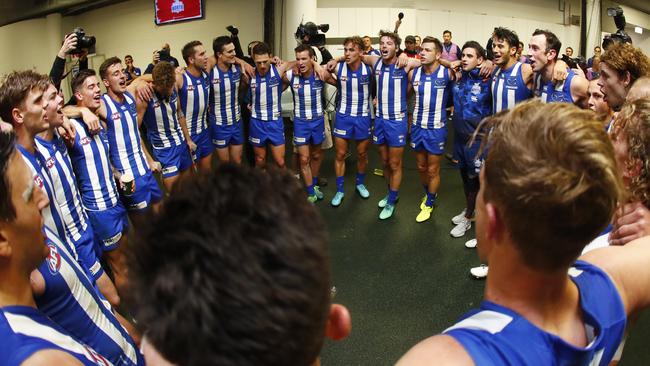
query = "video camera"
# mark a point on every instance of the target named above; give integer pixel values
(83, 41)
(308, 33)
(620, 36)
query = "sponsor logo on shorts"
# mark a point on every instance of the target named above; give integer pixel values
(340, 132)
(139, 205)
(299, 139)
(413, 145)
(375, 138)
(441, 145)
(254, 140)
(53, 259)
(112, 240)
(219, 142)
(170, 169)
(400, 138)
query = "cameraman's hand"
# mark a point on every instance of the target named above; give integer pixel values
(156, 57)
(69, 44)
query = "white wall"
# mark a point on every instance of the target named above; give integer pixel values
(128, 28)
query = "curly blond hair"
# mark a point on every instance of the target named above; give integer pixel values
(551, 172)
(633, 124)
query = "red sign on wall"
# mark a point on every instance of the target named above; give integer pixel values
(170, 11)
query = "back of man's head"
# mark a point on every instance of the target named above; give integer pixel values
(640, 89)
(14, 90)
(551, 172)
(234, 270)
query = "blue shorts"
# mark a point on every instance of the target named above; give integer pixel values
(263, 131)
(390, 132)
(204, 146)
(308, 131)
(87, 251)
(467, 159)
(146, 193)
(226, 135)
(348, 127)
(173, 159)
(109, 225)
(430, 139)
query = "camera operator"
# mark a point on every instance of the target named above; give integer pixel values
(164, 54)
(308, 34)
(58, 66)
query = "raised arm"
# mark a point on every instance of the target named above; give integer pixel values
(628, 267)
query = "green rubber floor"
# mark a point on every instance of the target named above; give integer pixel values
(403, 281)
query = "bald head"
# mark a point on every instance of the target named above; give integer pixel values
(640, 89)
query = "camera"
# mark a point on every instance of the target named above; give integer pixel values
(83, 41)
(620, 36)
(308, 34)
(574, 62)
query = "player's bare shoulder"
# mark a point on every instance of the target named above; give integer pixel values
(436, 350)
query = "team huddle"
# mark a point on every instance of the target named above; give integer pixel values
(89, 168)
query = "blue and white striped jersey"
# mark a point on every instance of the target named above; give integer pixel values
(265, 93)
(92, 167)
(548, 92)
(72, 301)
(124, 143)
(225, 95)
(432, 91)
(307, 95)
(25, 330)
(391, 91)
(508, 88)
(353, 98)
(51, 214)
(496, 335)
(163, 128)
(195, 95)
(66, 193)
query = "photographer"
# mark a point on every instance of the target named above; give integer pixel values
(58, 66)
(307, 34)
(163, 55)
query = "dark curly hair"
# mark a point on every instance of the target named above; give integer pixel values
(234, 270)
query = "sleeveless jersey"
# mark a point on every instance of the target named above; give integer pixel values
(550, 93)
(51, 214)
(225, 94)
(495, 335)
(195, 95)
(265, 93)
(163, 128)
(472, 102)
(353, 98)
(307, 95)
(391, 91)
(431, 95)
(92, 167)
(72, 302)
(508, 88)
(25, 330)
(124, 142)
(66, 193)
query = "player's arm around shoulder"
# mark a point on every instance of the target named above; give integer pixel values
(579, 88)
(437, 350)
(628, 268)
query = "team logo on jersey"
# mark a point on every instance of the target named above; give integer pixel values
(85, 140)
(98, 359)
(344, 78)
(190, 88)
(364, 79)
(116, 116)
(274, 81)
(216, 81)
(476, 89)
(53, 259)
(156, 104)
(297, 86)
(511, 81)
(416, 83)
